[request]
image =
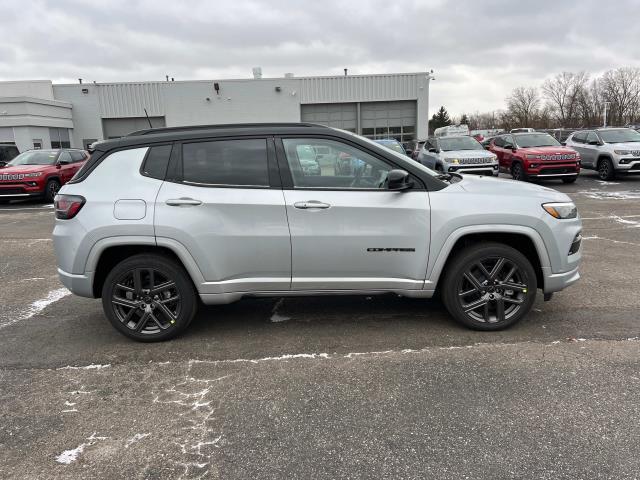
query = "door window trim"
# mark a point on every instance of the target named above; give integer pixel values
(287, 177)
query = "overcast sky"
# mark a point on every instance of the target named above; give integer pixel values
(479, 49)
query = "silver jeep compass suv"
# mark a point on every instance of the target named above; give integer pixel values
(162, 217)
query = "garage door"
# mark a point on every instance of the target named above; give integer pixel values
(389, 120)
(339, 115)
(119, 127)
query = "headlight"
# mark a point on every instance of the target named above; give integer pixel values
(622, 152)
(534, 157)
(32, 175)
(561, 210)
(454, 161)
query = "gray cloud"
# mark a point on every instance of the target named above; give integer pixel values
(479, 49)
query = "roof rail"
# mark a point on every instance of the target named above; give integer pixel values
(187, 128)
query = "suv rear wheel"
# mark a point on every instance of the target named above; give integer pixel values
(489, 286)
(149, 298)
(605, 169)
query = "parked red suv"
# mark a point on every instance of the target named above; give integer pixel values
(535, 155)
(39, 173)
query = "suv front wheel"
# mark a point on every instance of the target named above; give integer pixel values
(149, 298)
(605, 169)
(517, 172)
(489, 286)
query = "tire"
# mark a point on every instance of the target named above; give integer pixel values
(605, 169)
(139, 314)
(50, 190)
(439, 168)
(517, 172)
(491, 289)
(570, 179)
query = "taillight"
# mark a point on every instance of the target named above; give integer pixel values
(68, 206)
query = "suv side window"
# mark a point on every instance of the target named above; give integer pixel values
(579, 137)
(77, 156)
(346, 167)
(499, 142)
(507, 141)
(431, 143)
(64, 158)
(155, 165)
(592, 137)
(226, 162)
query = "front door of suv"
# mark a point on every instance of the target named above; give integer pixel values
(223, 202)
(348, 231)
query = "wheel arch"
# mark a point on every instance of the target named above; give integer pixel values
(524, 239)
(109, 252)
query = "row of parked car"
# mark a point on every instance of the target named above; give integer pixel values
(527, 154)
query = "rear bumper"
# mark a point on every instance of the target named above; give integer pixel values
(81, 285)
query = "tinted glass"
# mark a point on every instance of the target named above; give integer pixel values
(35, 157)
(619, 135)
(64, 157)
(529, 140)
(226, 162)
(155, 165)
(579, 137)
(499, 142)
(449, 144)
(592, 137)
(8, 153)
(341, 167)
(77, 156)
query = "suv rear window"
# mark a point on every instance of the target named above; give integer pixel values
(226, 162)
(155, 165)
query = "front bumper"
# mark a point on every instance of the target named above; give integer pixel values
(489, 169)
(79, 284)
(631, 165)
(15, 191)
(552, 170)
(554, 282)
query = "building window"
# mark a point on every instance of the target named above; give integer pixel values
(59, 138)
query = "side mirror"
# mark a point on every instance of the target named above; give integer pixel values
(398, 180)
(433, 150)
(409, 152)
(594, 142)
(3, 163)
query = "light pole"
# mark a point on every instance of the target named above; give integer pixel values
(606, 105)
(429, 76)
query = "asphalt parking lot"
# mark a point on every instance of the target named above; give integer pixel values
(332, 387)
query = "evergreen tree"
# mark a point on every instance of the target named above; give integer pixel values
(440, 119)
(464, 120)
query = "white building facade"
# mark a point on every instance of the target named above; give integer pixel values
(39, 114)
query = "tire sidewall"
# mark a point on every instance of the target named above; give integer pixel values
(169, 268)
(47, 190)
(518, 167)
(463, 261)
(609, 172)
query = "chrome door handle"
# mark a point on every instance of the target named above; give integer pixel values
(311, 204)
(183, 202)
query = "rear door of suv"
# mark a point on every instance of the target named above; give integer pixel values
(348, 231)
(222, 201)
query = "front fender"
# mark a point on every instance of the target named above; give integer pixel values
(436, 263)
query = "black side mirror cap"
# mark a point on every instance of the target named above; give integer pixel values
(398, 180)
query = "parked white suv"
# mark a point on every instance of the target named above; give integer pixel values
(163, 217)
(609, 151)
(460, 153)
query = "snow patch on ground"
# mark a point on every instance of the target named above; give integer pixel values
(38, 306)
(625, 221)
(275, 316)
(602, 195)
(86, 367)
(70, 456)
(136, 438)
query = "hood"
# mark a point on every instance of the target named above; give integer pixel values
(468, 154)
(548, 151)
(505, 188)
(11, 169)
(635, 146)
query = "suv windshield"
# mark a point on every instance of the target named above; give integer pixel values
(35, 157)
(529, 140)
(619, 135)
(448, 144)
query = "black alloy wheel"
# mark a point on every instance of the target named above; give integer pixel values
(518, 173)
(605, 169)
(51, 190)
(489, 287)
(149, 298)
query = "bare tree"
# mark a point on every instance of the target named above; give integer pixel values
(523, 105)
(563, 93)
(621, 87)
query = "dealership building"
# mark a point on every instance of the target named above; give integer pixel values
(40, 114)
